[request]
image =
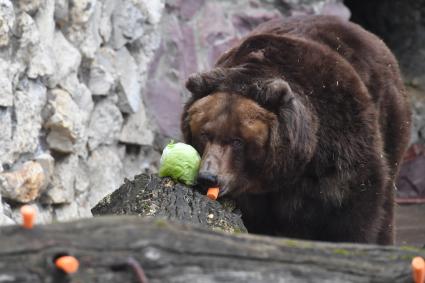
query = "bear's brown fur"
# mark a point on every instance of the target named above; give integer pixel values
(304, 123)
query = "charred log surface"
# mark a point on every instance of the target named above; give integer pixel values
(171, 252)
(149, 195)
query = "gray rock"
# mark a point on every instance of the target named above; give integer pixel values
(24, 184)
(81, 10)
(47, 162)
(144, 160)
(6, 137)
(26, 121)
(61, 12)
(4, 218)
(106, 172)
(105, 124)
(72, 211)
(105, 24)
(65, 125)
(80, 94)
(7, 18)
(67, 59)
(101, 81)
(102, 72)
(80, 207)
(46, 27)
(44, 19)
(83, 31)
(136, 129)
(29, 6)
(62, 189)
(127, 24)
(82, 178)
(153, 10)
(6, 95)
(32, 51)
(82, 97)
(128, 84)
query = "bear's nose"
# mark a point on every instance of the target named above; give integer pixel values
(206, 178)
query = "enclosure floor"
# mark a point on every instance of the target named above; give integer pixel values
(410, 225)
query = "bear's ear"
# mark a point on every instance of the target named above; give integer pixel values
(202, 84)
(219, 79)
(273, 93)
(277, 92)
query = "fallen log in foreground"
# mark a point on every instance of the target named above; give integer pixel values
(170, 252)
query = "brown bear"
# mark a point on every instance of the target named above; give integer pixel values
(304, 123)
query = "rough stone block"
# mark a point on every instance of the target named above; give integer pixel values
(136, 129)
(24, 184)
(105, 124)
(128, 82)
(65, 125)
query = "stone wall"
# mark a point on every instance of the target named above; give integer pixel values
(73, 122)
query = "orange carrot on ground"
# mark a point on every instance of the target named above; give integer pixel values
(28, 214)
(67, 264)
(418, 269)
(212, 193)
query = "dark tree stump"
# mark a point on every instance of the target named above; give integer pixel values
(182, 253)
(149, 195)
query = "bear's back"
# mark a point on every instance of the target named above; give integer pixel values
(365, 52)
(370, 58)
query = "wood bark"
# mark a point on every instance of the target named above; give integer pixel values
(149, 195)
(171, 252)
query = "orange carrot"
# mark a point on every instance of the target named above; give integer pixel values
(67, 264)
(28, 216)
(418, 269)
(212, 193)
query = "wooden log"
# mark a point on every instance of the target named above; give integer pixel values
(149, 195)
(171, 252)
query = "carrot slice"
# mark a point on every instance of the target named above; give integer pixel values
(212, 193)
(28, 216)
(67, 264)
(418, 269)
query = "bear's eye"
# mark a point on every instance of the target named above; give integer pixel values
(204, 136)
(237, 143)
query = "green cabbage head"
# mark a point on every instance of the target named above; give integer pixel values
(181, 162)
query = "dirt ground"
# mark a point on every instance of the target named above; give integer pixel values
(410, 225)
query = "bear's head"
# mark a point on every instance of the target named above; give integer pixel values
(253, 131)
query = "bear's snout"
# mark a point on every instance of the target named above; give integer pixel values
(207, 179)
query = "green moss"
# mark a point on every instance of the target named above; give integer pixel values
(237, 231)
(291, 243)
(341, 252)
(296, 244)
(406, 257)
(161, 223)
(409, 248)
